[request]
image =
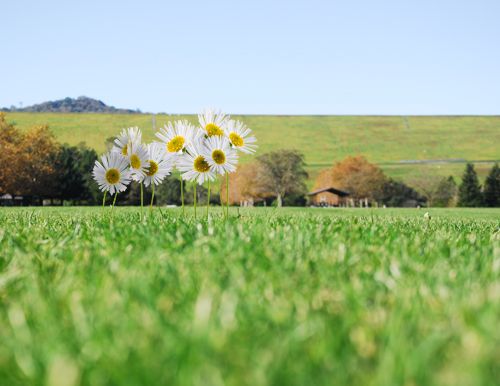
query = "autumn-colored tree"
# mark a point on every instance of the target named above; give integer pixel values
(27, 160)
(244, 185)
(355, 175)
(10, 159)
(38, 175)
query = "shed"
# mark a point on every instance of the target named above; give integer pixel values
(328, 197)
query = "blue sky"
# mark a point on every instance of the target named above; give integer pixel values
(267, 57)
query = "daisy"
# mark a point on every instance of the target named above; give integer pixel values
(241, 137)
(178, 136)
(138, 160)
(127, 136)
(193, 164)
(219, 155)
(113, 174)
(213, 122)
(160, 164)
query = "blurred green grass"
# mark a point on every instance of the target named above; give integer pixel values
(323, 139)
(275, 297)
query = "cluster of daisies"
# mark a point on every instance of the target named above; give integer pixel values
(200, 153)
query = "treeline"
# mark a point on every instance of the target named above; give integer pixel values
(279, 177)
(36, 168)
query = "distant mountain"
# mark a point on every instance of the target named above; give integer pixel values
(81, 104)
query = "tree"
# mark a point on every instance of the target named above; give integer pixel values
(470, 190)
(10, 158)
(70, 180)
(446, 192)
(282, 172)
(355, 175)
(169, 191)
(398, 194)
(427, 186)
(74, 178)
(38, 175)
(492, 187)
(87, 158)
(28, 160)
(244, 185)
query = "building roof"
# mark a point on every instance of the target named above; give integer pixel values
(331, 189)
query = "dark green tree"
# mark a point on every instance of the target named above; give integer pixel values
(70, 180)
(169, 191)
(91, 193)
(445, 192)
(74, 174)
(397, 194)
(492, 187)
(283, 173)
(469, 193)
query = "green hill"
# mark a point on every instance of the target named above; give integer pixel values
(405, 147)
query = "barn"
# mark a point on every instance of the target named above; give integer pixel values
(328, 197)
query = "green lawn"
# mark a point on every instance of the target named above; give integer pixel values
(274, 297)
(323, 139)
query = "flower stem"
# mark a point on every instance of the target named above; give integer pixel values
(104, 199)
(152, 195)
(208, 197)
(194, 198)
(142, 199)
(114, 200)
(227, 194)
(182, 197)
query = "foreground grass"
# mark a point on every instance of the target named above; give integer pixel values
(293, 297)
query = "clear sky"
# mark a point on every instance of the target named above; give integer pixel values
(267, 57)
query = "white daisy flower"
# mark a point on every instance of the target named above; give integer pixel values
(113, 175)
(178, 136)
(138, 160)
(213, 122)
(160, 164)
(126, 137)
(219, 155)
(193, 164)
(241, 137)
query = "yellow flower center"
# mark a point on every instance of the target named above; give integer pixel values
(153, 168)
(200, 165)
(219, 157)
(135, 161)
(236, 139)
(176, 144)
(212, 129)
(124, 150)
(112, 176)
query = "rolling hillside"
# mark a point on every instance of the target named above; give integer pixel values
(405, 147)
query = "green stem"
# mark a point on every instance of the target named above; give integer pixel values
(182, 196)
(227, 194)
(104, 198)
(114, 200)
(142, 199)
(194, 198)
(208, 198)
(152, 195)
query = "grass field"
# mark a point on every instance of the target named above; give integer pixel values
(386, 140)
(275, 297)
